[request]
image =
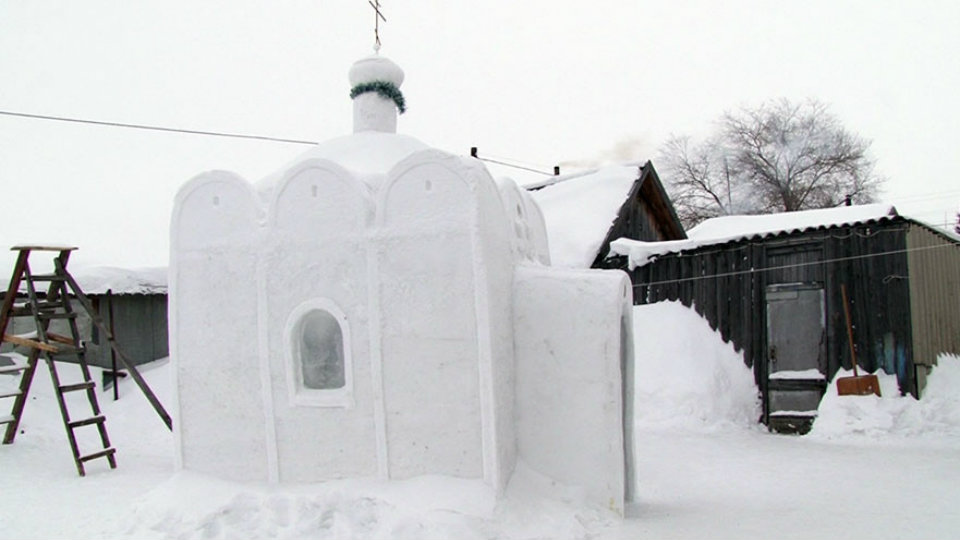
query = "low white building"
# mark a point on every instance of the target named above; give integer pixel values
(382, 309)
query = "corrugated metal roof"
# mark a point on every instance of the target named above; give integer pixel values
(738, 228)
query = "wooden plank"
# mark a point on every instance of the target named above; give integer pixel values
(42, 248)
(103, 453)
(16, 340)
(60, 339)
(99, 419)
(86, 385)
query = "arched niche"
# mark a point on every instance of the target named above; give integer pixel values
(318, 199)
(319, 357)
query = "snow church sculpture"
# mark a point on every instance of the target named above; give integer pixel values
(382, 309)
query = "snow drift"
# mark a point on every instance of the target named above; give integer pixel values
(687, 376)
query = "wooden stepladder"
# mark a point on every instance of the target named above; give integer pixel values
(56, 305)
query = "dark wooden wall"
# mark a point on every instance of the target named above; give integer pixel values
(140, 326)
(726, 284)
(645, 215)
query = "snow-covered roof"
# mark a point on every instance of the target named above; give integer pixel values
(579, 209)
(100, 279)
(722, 229)
(732, 228)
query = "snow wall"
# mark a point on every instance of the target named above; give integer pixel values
(572, 422)
(417, 277)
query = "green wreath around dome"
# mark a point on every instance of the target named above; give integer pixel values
(384, 89)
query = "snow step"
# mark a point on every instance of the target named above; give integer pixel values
(106, 452)
(15, 393)
(86, 385)
(99, 419)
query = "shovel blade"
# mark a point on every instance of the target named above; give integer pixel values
(858, 386)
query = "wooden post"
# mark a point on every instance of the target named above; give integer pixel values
(113, 353)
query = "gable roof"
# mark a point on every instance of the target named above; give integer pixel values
(580, 210)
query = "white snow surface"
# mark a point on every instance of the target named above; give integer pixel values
(935, 417)
(706, 470)
(729, 228)
(680, 366)
(100, 279)
(579, 209)
(369, 155)
(808, 374)
(722, 229)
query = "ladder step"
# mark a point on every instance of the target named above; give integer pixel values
(6, 419)
(12, 369)
(15, 393)
(103, 453)
(79, 386)
(99, 419)
(47, 315)
(66, 349)
(59, 339)
(48, 277)
(22, 310)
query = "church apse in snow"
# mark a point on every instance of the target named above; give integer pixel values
(382, 309)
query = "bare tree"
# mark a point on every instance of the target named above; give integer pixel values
(702, 184)
(779, 157)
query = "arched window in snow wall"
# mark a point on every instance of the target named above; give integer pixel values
(319, 364)
(321, 351)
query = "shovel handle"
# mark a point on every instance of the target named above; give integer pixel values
(846, 314)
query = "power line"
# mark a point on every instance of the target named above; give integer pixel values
(786, 266)
(210, 133)
(156, 128)
(515, 166)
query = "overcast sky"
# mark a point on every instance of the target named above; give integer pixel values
(536, 82)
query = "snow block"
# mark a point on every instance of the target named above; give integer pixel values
(429, 333)
(573, 340)
(220, 426)
(315, 264)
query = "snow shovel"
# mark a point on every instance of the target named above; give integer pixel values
(858, 385)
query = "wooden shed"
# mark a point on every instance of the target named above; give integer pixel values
(585, 211)
(133, 302)
(772, 285)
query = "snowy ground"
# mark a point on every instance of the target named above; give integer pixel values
(871, 468)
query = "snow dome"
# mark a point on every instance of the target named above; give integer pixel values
(378, 308)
